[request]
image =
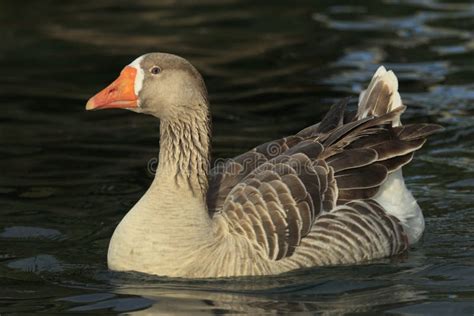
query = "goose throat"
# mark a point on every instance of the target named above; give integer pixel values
(184, 150)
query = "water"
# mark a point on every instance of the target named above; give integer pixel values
(68, 177)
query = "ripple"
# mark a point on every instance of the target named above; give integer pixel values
(37, 264)
(117, 305)
(435, 308)
(30, 232)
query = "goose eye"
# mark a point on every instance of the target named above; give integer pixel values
(155, 70)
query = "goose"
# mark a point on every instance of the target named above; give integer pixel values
(331, 194)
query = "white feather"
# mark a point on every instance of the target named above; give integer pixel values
(139, 77)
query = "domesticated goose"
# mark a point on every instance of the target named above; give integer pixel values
(331, 194)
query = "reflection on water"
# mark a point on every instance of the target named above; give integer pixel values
(68, 177)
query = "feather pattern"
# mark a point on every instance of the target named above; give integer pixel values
(309, 197)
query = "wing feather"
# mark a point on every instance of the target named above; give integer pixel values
(314, 189)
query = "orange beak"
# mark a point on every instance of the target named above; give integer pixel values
(120, 94)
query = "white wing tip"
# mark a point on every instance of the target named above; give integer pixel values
(388, 76)
(391, 80)
(380, 71)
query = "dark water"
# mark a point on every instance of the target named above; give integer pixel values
(67, 177)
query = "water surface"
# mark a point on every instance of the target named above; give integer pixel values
(67, 177)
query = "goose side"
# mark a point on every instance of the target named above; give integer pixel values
(331, 194)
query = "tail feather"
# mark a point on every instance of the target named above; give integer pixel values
(381, 97)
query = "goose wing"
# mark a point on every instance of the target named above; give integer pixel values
(227, 174)
(317, 183)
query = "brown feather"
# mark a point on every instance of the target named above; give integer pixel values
(396, 163)
(352, 158)
(357, 194)
(361, 178)
(416, 131)
(309, 147)
(334, 118)
(394, 148)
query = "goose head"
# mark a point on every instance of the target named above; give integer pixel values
(163, 85)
